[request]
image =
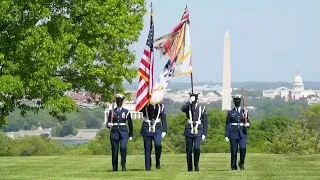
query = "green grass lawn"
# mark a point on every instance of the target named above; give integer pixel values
(212, 166)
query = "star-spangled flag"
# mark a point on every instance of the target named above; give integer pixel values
(146, 70)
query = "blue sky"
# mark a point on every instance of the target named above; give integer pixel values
(270, 39)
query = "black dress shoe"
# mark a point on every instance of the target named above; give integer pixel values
(124, 168)
(158, 166)
(196, 168)
(114, 168)
(241, 166)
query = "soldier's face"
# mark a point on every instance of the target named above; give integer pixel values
(237, 102)
(119, 102)
(193, 99)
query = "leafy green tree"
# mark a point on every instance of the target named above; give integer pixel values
(311, 121)
(50, 47)
(6, 145)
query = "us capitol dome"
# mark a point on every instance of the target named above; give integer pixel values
(298, 83)
(296, 93)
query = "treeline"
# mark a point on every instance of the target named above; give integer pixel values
(263, 107)
(93, 118)
(84, 119)
(277, 134)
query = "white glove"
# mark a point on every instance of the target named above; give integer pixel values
(247, 124)
(226, 138)
(163, 134)
(192, 98)
(130, 138)
(203, 137)
(110, 125)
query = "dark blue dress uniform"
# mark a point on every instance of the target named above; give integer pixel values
(195, 130)
(119, 133)
(154, 127)
(236, 132)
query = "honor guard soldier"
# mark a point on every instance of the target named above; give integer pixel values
(119, 132)
(237, 122)
(154, 128)
(195, 130)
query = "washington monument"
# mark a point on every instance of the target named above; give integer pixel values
(226, 85)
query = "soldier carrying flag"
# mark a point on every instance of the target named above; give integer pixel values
(154, 125)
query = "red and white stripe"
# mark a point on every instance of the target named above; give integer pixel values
(146, 79)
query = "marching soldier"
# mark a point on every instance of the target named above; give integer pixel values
(235, 131)
(195, 130)
(154, 128)
(119, 133)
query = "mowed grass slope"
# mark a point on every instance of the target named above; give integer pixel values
(212, 166)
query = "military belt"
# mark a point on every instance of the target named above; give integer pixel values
(191, 122)
(119, 124)
(236, 124)
(151, 121)
(152, 124)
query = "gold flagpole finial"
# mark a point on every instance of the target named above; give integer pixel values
(151, 4)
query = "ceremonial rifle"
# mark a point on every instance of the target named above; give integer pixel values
(105, 117)
(244, 106)
(113, 102)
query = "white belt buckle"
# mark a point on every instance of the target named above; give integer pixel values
(152, 125)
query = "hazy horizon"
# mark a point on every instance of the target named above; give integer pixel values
(136, 81)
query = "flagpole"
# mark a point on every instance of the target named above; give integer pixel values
(191, 75)
(191, 83)
(151, 78)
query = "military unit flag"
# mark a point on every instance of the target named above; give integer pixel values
(177, 46)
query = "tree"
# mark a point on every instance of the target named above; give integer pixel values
(312, 119)
(50, 47)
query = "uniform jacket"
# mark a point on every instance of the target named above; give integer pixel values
(121, 115)
(199, 113)
(152, 112)
(235, 131)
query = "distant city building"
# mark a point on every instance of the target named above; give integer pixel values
(206, 95)
(168, 103)
(313, 100)
(23, 133)
(296, 93)
(207, 88)
(83, 99)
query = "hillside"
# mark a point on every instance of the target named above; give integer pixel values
(212, 166)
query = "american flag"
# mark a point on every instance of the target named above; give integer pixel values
(146, 71)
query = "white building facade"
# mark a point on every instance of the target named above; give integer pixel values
(296, 93)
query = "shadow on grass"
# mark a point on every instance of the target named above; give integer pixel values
(119, 170)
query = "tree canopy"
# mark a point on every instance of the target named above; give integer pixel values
(49, 47)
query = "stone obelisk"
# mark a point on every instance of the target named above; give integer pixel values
(226, 84)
